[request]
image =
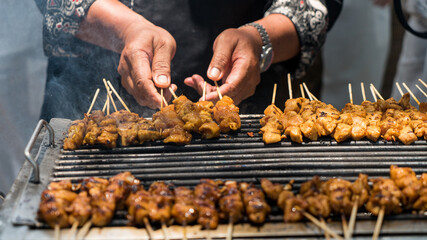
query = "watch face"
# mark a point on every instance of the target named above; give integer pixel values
(266, 58)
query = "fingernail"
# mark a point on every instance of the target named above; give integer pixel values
(215, 72)
(162, 79)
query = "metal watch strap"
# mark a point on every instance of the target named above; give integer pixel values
(267, 49)
(264, 35)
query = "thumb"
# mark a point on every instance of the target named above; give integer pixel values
(221, 60)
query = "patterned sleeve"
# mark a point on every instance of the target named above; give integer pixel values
(61, 20)
(310, 18)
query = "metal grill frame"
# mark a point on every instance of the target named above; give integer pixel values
(239, 161)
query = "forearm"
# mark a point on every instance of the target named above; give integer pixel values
(106, 23)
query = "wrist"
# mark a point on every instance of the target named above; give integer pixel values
(266, 52)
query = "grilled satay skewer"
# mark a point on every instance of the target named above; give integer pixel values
(184, 209)
(256, 207)
(160, 207)
(360, 194)
(127, 127)
(54, 203)
(138, 203)
(231, 205)
(385, 198)
(171, 127)
(76, 133)
(271, 126)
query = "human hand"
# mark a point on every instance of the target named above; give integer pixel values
(145, 62)
(236, 62)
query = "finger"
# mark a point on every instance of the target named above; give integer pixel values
(221, 59)
(196, 81)
(161, 64)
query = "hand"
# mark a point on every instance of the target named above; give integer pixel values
(145, 62)
(236, 62)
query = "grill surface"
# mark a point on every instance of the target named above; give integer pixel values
(234, 156)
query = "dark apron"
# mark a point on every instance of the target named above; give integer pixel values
(194, 24)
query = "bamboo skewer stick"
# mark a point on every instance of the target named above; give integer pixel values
(217, 90)
(57, 232)
(118, 96)
(421, 90)
(161, 102)
(373, 93)
(109, 94)
(378, 224)
(105, 104)
(165, 231)
(344, 226)
(273, 99)
(230, 230)
(73, 231)
(376, 92)
(173, 93)
(208, 234)
(422, 82)
(312, 95)
(350, 93)
(352, 218)
(323, 226)
(425, 94)
(301, 88)
(108, 106)
(148, 228)
(362, 86)
(322, 220)
(164, 100)
(93, 101)
(289, 86)
(412, 94)
(308, 92)
(184, 232)
(204, 91)
(400, 89)
(84, 230)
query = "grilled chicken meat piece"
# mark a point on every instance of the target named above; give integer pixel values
(184, 210)
(112, 198)
(226, 114)
(54, 203)
(80, 209)
(147, 131)
(271, 125)
(360, 189)
(318, 205)
(93, 130)
(406, 180)
(209, 128)
(163, 198)
(76, 134)
(339, 194)
(138, 203)
(272, 190)
(127, 127)
(188, 113)
(206, 198)
(256, 207)
(311, 187)
(231, 203)
(108, 137)
(171, 127)
(385, 194)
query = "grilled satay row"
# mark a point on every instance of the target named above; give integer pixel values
(174, 124)
(97, 199)
(388, 119)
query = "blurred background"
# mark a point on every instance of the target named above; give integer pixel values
(364, 45)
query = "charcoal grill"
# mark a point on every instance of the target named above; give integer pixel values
(235, 156)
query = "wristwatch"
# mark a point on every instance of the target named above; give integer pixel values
(267, 54)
